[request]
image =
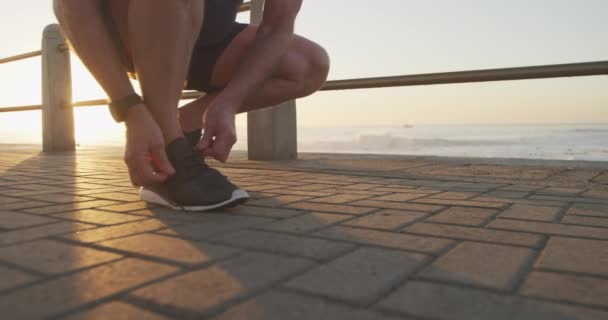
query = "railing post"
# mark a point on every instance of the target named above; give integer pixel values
(57, 113)
(272, 132)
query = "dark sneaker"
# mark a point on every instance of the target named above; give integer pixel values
(194, 186)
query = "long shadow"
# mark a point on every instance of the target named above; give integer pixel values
(188, 265)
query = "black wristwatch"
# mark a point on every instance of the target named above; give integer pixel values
(119, 108)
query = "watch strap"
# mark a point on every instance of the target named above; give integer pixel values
(119, 108)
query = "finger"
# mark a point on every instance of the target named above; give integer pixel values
(133, 175)
(145, 172)
(132, 172)
(207, 152)
(207, 139)
(161, 162)
(221, 148)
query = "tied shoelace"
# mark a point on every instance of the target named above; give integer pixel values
(192, 163)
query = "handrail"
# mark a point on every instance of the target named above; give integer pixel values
(21, 56)
(521, 73)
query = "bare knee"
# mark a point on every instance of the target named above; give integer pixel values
(317, 69)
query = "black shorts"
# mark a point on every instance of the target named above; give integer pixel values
(204, 58)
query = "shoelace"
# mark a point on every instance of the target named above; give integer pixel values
(192, 163)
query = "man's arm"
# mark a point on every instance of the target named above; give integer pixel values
(270, 44)
(84, 25)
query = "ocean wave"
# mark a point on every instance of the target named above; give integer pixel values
(388, 143)
(397, 142)
(590, 130)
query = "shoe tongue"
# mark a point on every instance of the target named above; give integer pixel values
(193, 137)
(179, 151)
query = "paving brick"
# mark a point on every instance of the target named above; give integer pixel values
(362, 186)
(575, 255)
(585, 221)
(66, 293)
(199, 291)
(262, 212)
(399, 197)
(522, 201)
(522, 187)
(23, 205)
(126, 207)
(501, 268)
(54, 257)
(42, 231)
(476, 234)
(507, 194)
(117, 231)
(70, 207)
(438, 301)
(463, 203)
(526, 212)
(562, 287)
(14, 220)
(560, 191)
(116, 310)
(283, 190)
(170, 248)
(293, 306)
(60, 198)
(341, 198)
(277, 201)
(10, 278)
(387, 239)
(306, 223)
(265, 187)
(454, 195)
(570, 199)
(336, 208)
(369, 193)
(464, 216)
(589, 210)
(550, 228)
(5, 200)
(98, 217)
(212, 225)
(361, 276)
(318, 249)
(117, 196)
(311, 187)
(386, 219)
(602, 194)
(398, 205)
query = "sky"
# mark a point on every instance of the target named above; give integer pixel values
(383, 38)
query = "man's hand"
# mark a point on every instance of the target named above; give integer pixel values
(145, 150)
(219, 129)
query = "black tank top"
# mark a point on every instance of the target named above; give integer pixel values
(220, 16)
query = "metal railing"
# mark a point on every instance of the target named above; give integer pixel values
(486, 75)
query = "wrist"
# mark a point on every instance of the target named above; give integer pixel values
(135, 114)
(229, 102)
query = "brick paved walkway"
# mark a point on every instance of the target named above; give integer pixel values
(324, 238)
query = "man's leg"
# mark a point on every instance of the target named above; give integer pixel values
(161, 37)
(301, 72)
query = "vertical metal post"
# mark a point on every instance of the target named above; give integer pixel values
(272, 132)
(57, 113)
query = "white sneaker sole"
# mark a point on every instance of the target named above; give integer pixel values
(239, 196)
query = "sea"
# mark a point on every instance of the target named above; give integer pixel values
(543, 141)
